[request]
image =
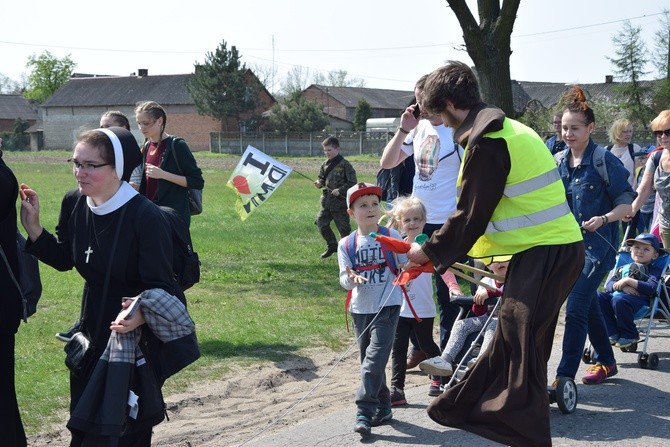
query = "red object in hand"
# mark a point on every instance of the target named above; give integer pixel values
(398, 246)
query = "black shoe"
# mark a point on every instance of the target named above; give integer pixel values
(328, 253)
(67, 335)
(363, 426)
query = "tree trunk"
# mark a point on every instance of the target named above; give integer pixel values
(488, 45)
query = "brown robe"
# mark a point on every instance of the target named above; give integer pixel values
(504, 397)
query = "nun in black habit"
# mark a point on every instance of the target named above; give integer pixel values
(121, 244)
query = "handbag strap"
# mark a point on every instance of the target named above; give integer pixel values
(108, 274)
(11, 273)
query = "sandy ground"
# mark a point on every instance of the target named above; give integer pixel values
(256, 401)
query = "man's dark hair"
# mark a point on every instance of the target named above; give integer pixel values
(453, 82)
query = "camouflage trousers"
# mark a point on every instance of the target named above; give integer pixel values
(342, 222)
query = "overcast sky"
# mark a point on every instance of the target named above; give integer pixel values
(388, 44)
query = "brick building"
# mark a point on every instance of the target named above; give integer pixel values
(79, 103)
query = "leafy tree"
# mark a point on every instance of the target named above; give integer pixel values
(630, 68)
(488, 45)
(48, 75)
(221, 87)
(363, 112)
(298, 114)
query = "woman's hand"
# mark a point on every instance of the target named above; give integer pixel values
(30, 212)
(154, 172)
(124, 325)
(593, 223)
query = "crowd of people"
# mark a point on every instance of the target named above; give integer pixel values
(545, 217)
(580, 196)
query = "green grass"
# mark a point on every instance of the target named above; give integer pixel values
(264, 293)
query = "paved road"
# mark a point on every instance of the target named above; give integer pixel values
(630, 409)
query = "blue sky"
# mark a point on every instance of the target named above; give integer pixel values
(388, 44)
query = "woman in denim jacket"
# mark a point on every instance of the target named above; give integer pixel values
(597, 206)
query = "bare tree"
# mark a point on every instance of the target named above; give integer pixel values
(630, 61)
(488, 45)
(661, 53)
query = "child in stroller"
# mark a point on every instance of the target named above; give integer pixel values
(463, 328)
(631, 287)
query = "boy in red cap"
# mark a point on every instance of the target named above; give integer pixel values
(367, 272)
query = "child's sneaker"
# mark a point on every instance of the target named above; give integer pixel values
(382, 415)
(614, 339)
(67, 335)
(397, 397)
(436, 366)
(598, 373)
(626, 342)
(435, 388)
(363, 425)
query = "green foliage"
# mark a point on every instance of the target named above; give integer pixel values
(662, 95)
(363, 112)
(221, 87)
(629, 65)
(48, 75)
(298, 114)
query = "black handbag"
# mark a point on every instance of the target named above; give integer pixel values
(79, 355)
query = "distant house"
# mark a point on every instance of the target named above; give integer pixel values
(78, 104)
(339, 103)
(13, 107)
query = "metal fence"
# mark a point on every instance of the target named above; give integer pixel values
(298, 144)
(351, 143)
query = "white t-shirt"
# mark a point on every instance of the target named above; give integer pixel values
(437, 165)
(420, 293)
(623, 154)
(378, 291)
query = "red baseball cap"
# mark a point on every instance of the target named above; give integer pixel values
(362, 189)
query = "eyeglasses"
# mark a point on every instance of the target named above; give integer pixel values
(658, 133)
(85, 167)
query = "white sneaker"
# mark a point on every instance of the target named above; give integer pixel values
(436, 366)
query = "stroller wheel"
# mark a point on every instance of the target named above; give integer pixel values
(642, 360)
(587, 355)
(566, 395)
(653, 361)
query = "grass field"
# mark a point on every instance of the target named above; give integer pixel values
(264, 293)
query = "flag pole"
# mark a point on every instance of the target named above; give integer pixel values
(300, 173)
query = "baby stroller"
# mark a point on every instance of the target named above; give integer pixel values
(648, 317)
(472, 345)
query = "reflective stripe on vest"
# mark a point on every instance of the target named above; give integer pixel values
(533, 209)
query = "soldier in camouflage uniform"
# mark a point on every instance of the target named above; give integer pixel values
(336, 176)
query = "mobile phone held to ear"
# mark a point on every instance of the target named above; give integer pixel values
(129, 311)
(417, 111)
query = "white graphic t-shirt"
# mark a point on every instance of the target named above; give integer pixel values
(420, 292)
(437, 162)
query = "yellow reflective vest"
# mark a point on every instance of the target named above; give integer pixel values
(533, 210)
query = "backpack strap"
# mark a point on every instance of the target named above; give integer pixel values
(657, 157)
(631, 151)
(598, 161)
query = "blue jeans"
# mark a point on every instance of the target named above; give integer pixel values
(375, 345)
(583, 316)
(619, 311)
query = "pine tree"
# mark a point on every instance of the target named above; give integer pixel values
(223, 88)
